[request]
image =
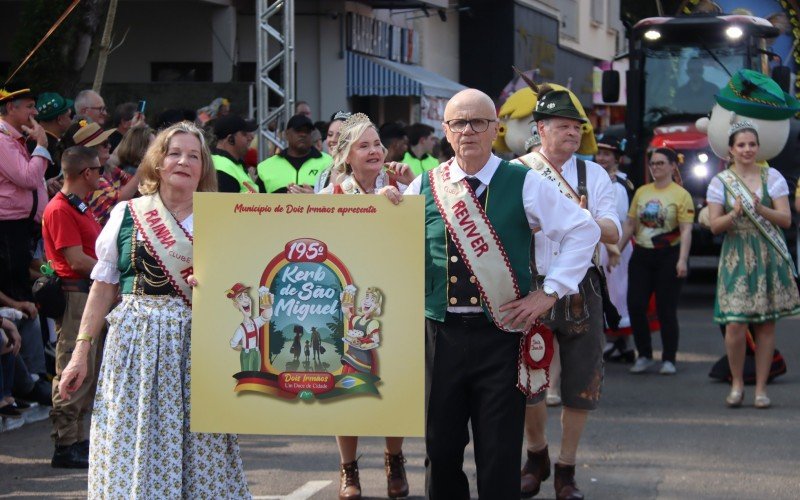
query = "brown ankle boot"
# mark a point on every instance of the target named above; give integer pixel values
(564, 482)
(396, 483)
(349, 484)
(535, 470)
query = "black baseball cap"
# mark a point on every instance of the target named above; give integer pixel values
(298, 122)
(230, 124)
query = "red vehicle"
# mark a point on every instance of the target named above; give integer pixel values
(677, 66)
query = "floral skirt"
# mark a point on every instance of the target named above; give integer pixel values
(141, 446)
(754, 284)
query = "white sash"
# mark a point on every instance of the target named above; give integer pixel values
(484, 255)
(538, 163)
(737, 188)
(476, 240)
(166, 240)
(349, 184)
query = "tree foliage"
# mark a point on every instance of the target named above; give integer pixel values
(633, 11)
(59, 62)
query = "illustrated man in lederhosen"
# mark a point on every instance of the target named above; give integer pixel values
(245, 338)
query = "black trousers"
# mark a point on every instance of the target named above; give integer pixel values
(653, 270)
(16, 241)
(471, 376)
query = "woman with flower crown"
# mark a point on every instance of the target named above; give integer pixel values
(359, 161)
(749, 203)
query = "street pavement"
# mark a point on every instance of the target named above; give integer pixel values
(655, 436)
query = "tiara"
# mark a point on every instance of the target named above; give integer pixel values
(356, 119)
(742, 125)
(353, 121)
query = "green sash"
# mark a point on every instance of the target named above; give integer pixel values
(737, 188)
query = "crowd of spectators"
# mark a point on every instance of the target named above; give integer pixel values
(65, 162)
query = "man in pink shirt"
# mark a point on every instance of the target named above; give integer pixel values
(22, 191)
(22, 200)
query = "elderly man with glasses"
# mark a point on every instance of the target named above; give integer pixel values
(479, 312)
(91, 106)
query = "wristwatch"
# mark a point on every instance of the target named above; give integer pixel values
(550, 292)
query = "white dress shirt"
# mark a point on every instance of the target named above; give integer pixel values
(623, 203)
(602, 205)
(558, 217)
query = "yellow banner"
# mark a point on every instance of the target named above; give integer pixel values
(309, 315)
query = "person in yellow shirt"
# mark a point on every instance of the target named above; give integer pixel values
(660, 220)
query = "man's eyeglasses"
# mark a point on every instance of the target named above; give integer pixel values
(660, 163)
(92, 168)
(477, 125)
(101, 109)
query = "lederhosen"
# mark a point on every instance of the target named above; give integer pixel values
(577, 321)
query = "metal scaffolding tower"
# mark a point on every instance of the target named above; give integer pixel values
(275, 20)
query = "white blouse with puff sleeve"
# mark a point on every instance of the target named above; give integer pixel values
(776, 187)
(106, 269)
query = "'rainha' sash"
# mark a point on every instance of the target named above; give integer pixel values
(484, 255)
(166, 240)
(737, 188)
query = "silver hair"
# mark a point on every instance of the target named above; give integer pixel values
(82, 100)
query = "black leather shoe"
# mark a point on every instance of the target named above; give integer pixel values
(535, 470)
(564, 483)
(83, 446)
(41, 393)
(69, 457)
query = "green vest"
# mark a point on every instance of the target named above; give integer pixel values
(227, 166)
(124, 245)
(277, 173)
(506, 213)
(419, 165)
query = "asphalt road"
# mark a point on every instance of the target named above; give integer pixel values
(653, 437)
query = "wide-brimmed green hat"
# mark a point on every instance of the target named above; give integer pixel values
(556, 104)
(750, 93)
(51, 105)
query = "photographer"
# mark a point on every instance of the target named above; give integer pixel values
(70, 231)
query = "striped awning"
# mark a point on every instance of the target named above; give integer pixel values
(372, 76)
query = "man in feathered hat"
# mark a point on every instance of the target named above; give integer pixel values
(577, 319)
(22, 200)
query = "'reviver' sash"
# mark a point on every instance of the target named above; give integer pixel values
(166, 240)
(737, 188)
(483, 253)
